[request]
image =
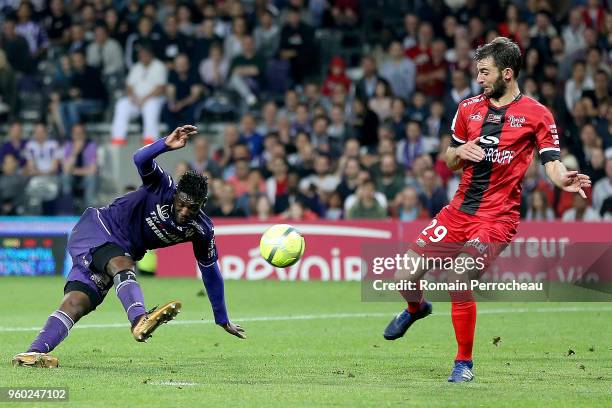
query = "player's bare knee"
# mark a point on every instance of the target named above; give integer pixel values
(119, 264)
(76, 305)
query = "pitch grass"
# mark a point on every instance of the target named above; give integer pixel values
(319, 362)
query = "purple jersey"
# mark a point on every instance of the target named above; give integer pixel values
(142, 219)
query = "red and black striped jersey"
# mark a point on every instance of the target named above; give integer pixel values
(508, 135)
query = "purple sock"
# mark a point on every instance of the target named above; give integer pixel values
(130, 294)
(55, 330)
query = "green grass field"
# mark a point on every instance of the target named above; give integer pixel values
(309, 344)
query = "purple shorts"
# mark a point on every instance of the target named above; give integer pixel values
(88, 234)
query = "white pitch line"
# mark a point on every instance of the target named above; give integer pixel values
(328, 316)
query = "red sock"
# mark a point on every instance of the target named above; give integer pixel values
(414, 299)
(463, 313)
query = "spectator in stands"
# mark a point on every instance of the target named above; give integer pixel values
(172, 42)
(348, 170)
(301, 122)
(14, 144)
(33, 32)
(600, 95)
(338, 129)
(603, 188)
(277, 185)
(267, 34)
(431, 75)
(57, 23)
(411, 146)
(436, 124)
(269, 118)
(399, 71)
(144, 35)
(366, 206)
(323, 179)
(382, 101)
(420, 53)
(250, 136)
(16, 48)
(336, 76)
(203, 41)
(410, 30)
(214, 68)
(364, 124)
(432, 197)
(183, 92)
(118, 29)
(43, 155)
(246, 72)
(539, 209)
(226, 207)
(365, 87)
(577, 85)
(240, 179)
(77, 41)
(573, 33)
(180, 169)
(8, 88)
(580, 211)
(12, 187)
(299, 211)
(201, 159)
(87, 93)
(184, 20)
(263, 209)
(80, 167)
(144, 95)
(407, 206)
(297, 45)
(105, 54)
(233, 42)
(389, 181)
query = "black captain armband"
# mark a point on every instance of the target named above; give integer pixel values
(548, 154)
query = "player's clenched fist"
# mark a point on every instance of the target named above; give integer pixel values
(471, 151)
(178, 138)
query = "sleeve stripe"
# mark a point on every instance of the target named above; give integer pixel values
(547, 149)
(457, 139)
(152, 171)
(206, 266)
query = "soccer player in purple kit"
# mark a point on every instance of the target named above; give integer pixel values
(107, 241)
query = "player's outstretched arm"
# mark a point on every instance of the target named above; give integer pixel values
(565, 179)
(213, 281)
(144, 157)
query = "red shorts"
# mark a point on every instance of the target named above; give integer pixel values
(453, 232)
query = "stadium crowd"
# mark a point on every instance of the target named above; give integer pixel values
(333, 109)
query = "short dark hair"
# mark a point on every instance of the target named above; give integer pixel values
(194, 184)
(505, 53)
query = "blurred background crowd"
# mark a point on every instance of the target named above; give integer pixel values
(324, 109)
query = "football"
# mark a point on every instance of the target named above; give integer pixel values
(281, 245)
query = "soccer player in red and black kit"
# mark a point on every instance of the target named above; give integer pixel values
(494, 136)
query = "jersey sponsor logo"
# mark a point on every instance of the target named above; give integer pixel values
(494, 155)
(473, 100)
(476, 117)
(494, 118)
(475, 243)
(162, 212)
(489, 139)
(516, 121)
